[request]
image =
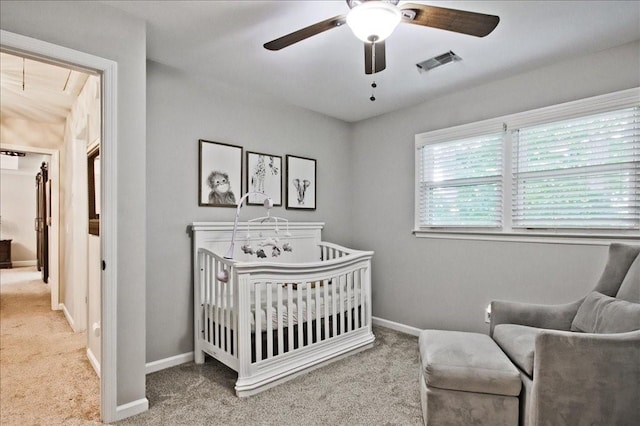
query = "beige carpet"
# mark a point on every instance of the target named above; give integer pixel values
(45, 377)
(376, 387)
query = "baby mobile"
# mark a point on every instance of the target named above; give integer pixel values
(265, 243)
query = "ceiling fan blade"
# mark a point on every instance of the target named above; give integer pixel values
(374, 57)
(459, 21)
(311, 30)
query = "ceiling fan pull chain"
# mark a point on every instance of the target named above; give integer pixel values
(373, 68)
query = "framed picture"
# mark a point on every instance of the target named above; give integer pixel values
(220, 176)
(301, 183)
(93, 181)
(264, 175)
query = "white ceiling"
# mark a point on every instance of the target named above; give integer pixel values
(220, 42)
(37, 91)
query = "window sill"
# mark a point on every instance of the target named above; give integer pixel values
(531, 237)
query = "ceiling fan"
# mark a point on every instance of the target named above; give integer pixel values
(372, 21)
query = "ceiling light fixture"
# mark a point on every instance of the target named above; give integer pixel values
(373, 21)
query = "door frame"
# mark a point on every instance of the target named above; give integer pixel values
(108, 69)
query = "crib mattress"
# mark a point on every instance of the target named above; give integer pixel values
(289, 311)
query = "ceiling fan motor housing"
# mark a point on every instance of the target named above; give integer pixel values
(373, 21)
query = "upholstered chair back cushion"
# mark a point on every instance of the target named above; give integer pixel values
(603, 314)
(630, 287)
(621, 256)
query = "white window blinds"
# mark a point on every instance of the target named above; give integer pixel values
(578, 173)
(460, 182)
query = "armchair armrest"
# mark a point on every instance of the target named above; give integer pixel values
(556, 317)
(583, 378)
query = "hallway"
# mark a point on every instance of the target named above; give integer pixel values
(45, 375)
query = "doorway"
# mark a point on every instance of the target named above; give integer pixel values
(108, 250)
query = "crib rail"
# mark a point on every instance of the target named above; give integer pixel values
(267, 311)
(215, 317)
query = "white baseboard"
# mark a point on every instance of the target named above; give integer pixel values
(69, 318)
(396, 326)
(131, 409)
(161, 364)
(23, 263)
(93, 361)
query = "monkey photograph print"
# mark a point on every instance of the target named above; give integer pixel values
(220, 180)
(301, 183)
(264, 175)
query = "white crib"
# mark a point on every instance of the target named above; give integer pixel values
(274, 320)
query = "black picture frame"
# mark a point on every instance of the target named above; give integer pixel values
(264, 174)
(219, 167)
(301, 183)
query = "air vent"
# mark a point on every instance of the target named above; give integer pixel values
(437, 61)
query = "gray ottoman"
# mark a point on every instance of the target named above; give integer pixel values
(466, 379)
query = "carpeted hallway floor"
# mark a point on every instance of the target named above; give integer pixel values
(45, 377)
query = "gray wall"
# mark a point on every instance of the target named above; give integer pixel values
(432, 283)
(181, 111)
(100, 30)
(18, 207)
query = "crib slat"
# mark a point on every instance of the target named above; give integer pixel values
(309, 307)
(227, 316)
(326, 309)
(204, 291)
(363, 304)
(212, 283)
(223, 309)
(290, 312)
(356, 297)
(269, 320)
(337, 281)
(349, 294)
(258, 321)
(217, 298)
(318, 314)
(300, 316)
(280, 308)
(343, 292)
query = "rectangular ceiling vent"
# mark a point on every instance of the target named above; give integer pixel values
(437, 61)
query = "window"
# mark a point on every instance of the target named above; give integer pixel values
(579, 173)
(573, 167)
(461, 183)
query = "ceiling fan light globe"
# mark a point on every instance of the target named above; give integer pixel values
(373, 20)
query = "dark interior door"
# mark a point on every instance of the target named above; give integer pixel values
(41, 225)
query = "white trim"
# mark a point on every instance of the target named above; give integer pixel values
(109, 409)
(172, 361)
(23, 263)
(93, 361)
(69, 318)
(109, 242)
(580, 107)
(131, 409)
(407, 329)
(542, 238)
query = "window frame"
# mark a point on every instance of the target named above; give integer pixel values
(583, 107)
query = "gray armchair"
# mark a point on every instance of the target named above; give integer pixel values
(579, 362)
